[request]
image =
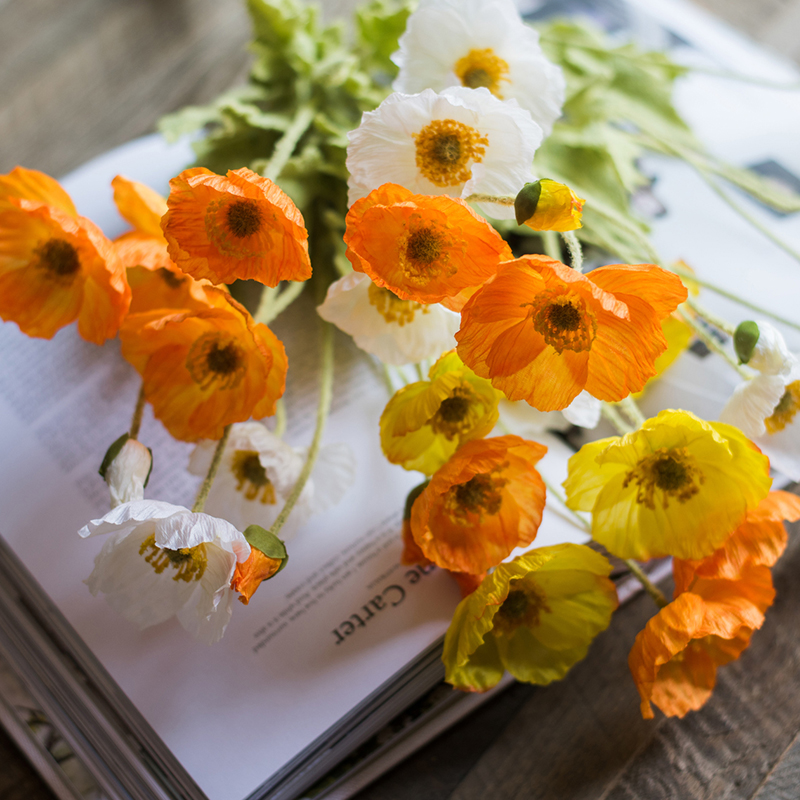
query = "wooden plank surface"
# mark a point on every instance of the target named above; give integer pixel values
(80, 77)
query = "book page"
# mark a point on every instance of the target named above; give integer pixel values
(338, 622)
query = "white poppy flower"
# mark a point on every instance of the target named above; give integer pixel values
(478, 43)
(165, 560)
(524, 420)
(459, 142)
(259, 471)
(771, 356)
(766, 410)
(396, 331)
(127, 473)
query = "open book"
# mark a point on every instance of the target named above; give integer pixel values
(338, 645)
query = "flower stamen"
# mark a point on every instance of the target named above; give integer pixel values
(671, 470)
(249, 472)
(455, 415)
(230, 226)
(391, 307)
(564, 321)
(172, 280)
(212, 359)
(482, 68)
(480, 495)
(59, 258)
(521, 608)
(189, 563)
(243, 218)
(446, 150)
(785, 411)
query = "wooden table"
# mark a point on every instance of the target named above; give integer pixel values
(80, 77)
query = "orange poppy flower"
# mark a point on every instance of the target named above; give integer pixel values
(55, 266)
(674, 659)
(250, 574)
(431, 249)
(542, 332)
(155, 280)
(235, 226)
(760, 539)
(485, 501)
(203, 370)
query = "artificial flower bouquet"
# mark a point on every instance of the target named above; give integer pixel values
(454, 188)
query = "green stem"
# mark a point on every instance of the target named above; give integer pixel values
(287, 143)
(574, 248)
(205, 486)
(420, 372)
(711, 318)
(556, 492)
(551, 245)
(136, 422)
(712, 344)
(323, 409)
(501, 200)
(712, 287)
(273, 303)
(649, 586)
(632, 411)
(387, 379)
(616, 420)
(280, 418)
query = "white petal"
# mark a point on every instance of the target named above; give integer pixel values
(752, 402)
(190, 529)
(526, 421)
(440, 32)
(771, 355)
(583, 411)
(783, 449)
(126, 517)
(201, 457)
(430, 333)
(333, 474)
(128, 472)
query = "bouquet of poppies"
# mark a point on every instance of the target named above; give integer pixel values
(454, 185)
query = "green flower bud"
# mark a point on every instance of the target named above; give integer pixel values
(745, 339)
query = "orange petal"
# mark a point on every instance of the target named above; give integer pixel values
(660, 289)
(140, 205)
(30, 184)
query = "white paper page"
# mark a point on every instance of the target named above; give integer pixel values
(315, 641)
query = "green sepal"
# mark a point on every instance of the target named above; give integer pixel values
(745, 339)
(412, 496)
(268, 543)
(150, 471)
(113, 452)
(526, 201)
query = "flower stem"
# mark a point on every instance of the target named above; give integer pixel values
(287, 143)
(273, 303)
(649, 586)
(205, 486)
(280, 418)
(632, 411)
(683, 273)
(616, 420)
(323, 409)
(136, 422)
(712, 319)
(557, 493)
(574, 248)
(501, 200)
(551, 246)
(712, 344)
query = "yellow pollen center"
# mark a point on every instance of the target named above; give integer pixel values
(521, 608)
(216, 359)
(424, 253)
(250, 473)
(188, 563)
(564, 321)
(672, 471)
(482, 68)
(59, 258)
(456, 414)
(446, 150)
(391, 307)
(480, 495)
(172, 280)
(785, 411)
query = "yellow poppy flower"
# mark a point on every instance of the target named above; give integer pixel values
(546, 205)
(679, 486)
(534, 616)
(425, 422)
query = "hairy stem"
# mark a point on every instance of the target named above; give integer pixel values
(649, 586)
(205, 486)
(136, 422)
